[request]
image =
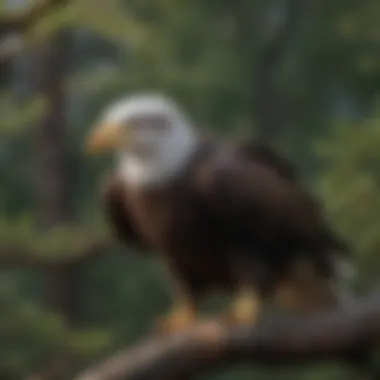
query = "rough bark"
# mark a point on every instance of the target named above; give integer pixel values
(337, 335)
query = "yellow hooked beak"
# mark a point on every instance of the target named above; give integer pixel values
(104, 138)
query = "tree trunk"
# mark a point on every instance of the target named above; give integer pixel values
(52, 177)
(52, 181)
(263, 58)
(270, 101)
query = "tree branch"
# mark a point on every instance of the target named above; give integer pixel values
(21, 21)
(14, 24)
(336, 335)
(22, 255)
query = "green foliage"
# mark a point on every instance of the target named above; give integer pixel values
(16, 116)
(23, 323)
(349, 185)
(20, 239)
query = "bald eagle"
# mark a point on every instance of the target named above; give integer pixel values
(222, 215)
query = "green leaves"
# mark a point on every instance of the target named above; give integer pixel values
(90, 342)
(30, 334)
(22, 244)
(18, 116)
(349, 185)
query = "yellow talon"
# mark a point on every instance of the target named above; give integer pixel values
(246, 308)
(179, 319)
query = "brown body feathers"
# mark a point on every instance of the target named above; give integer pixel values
(237, 211)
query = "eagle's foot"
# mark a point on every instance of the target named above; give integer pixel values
(245, 309)
(179, 319)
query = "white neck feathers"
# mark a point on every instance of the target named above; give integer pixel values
(174, 153)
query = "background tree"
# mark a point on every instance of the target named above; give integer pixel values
(303, 75)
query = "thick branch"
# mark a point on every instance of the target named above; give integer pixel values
(336, 335)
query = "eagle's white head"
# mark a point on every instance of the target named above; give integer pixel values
(151, 136)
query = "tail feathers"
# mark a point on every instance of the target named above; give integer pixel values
(345, 273)
(344, 297)
(344, 268)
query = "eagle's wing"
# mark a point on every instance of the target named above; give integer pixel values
(115, 207)
(265, 154)
(268, 156)
(252, 199)
(270, 220)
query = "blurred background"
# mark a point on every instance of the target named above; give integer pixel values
(302, 75)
